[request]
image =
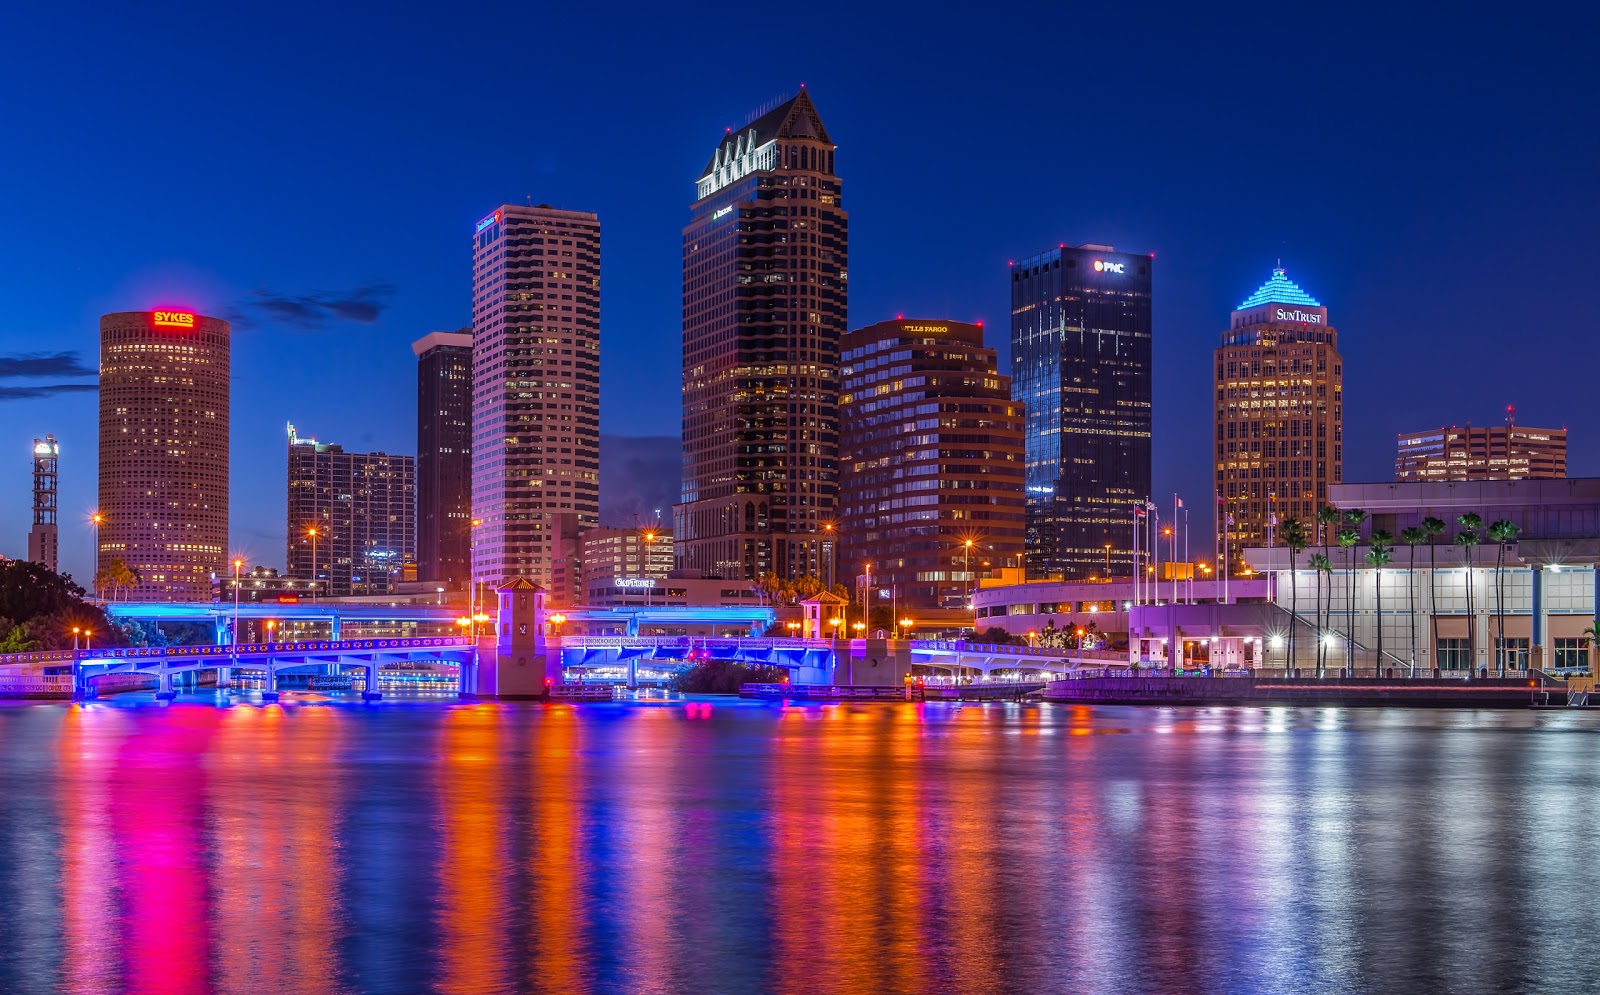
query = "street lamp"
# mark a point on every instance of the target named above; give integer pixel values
(312, 532)
(833, 554)
(75, 631)
(86, 634)
(1031, 637)
(649, 537)
(966, 568)
(557, 620)
(905, 628)
(472, 568)
(238, 563)
(271, 624)
(95, 520)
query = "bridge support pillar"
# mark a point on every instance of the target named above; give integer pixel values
(224, 677)
(164, 690)
(519, 665)
(371, 692)
(270, 688)
(334, 629)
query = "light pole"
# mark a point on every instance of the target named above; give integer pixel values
(866, 601)
(75, 631)
(86, 634)
(472, 573)
(237, 564)
(649, 537)
(1108, 563)
(312, 532)
(966, 568)
(95, 520)
(833, 554)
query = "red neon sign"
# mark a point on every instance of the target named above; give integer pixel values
(288, 599)
(172, 319)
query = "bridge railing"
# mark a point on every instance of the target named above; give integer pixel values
(35, 682)
(42, 656)
(273, 648)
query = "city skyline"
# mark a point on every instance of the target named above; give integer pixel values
(1384, 247)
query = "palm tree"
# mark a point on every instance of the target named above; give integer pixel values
(1327, 518)
(1347, 539)
(1413, 537)
(1294, 537)
(1435, 528)
(1322, 564)
(1353, 519)
(1378, 554)
(1502, 531)
(1467, 539)
(1592, 633)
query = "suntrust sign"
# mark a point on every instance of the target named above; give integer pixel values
(1295, 314)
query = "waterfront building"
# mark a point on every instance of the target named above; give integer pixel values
(566, 563)
(1484, 452)
(670, 592)
(535, 386)
(1080, 366)
(444, 456)
(627, 556)
(764, 309)
(1279, 414)
(362, 507)
(163, 464)
(930, 460)
(264, 585)
(43, 539)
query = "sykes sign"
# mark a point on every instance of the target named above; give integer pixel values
(172, 319)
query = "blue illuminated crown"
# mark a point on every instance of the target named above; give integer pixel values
(1279, 290)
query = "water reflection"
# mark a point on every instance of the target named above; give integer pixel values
(727, 846)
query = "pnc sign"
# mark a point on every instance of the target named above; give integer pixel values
(172, 319)
(1101, 266)
(1295, 314)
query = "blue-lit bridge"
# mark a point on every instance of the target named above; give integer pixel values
(607, 658)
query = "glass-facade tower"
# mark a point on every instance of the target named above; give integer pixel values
(1080, 365)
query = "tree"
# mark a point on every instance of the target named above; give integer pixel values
(1294, 537)
(1327, 518)
(724, 677)
(1322, 565)
(1413, 537)
(1502, 531)
(1348, 538)
(1434, 527)
(1467, 540)
(1380, 543)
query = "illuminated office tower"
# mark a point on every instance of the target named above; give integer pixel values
(1279, 412)
(930, 458)
(444, 456)
(164, 451)
(764, 308)
(1080, 365)
(42, 538)
(1482, 452)
(535, 387)
(363, 506)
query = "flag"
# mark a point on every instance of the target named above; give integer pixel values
(1180, 502)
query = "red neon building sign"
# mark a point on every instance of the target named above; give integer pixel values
(172, 319)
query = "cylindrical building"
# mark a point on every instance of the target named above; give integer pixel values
(163, 453)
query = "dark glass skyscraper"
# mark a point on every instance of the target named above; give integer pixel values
(1080, 364)
(444, 456)
(363, 506)
(764, 308)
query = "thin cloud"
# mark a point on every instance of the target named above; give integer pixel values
(45, 390)
(313, 312)
(38, 365)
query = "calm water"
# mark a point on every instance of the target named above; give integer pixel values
(739, 847)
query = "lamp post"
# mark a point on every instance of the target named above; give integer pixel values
(833, 554)
(472, 571)
(312, 532)
(237, 564)
(75, 631)
(966, 568)
(87, 633)
(95, 520)
(557, 620)
(649, 537)
(905, 628)
(1108, 563)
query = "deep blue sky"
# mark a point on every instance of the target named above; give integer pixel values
(1429, 174)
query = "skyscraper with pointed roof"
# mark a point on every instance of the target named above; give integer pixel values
(1279, 414)
(765, 298)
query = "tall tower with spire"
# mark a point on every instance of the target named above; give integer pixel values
(765, 299)
(1279, 414)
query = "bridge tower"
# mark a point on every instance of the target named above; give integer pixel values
(516, 664)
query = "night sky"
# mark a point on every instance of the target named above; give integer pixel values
(315, 173)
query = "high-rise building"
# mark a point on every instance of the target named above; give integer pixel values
(640, 557)
(164, 379)
(444, 456)
(1483, 452)
(363, 508)
(535, 386)
(930, 459)
(764, 308)
(43, 546)
(1080, 365)
(1279, 414)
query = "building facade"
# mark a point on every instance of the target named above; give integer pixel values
(625, 558)
(1279, 415)
(1485, 452)
(164, 408)
(535, 386)
(362, 507)
(444, 456)
(765, 300)
(930, 459)
(1080, 366)
(43, 538)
